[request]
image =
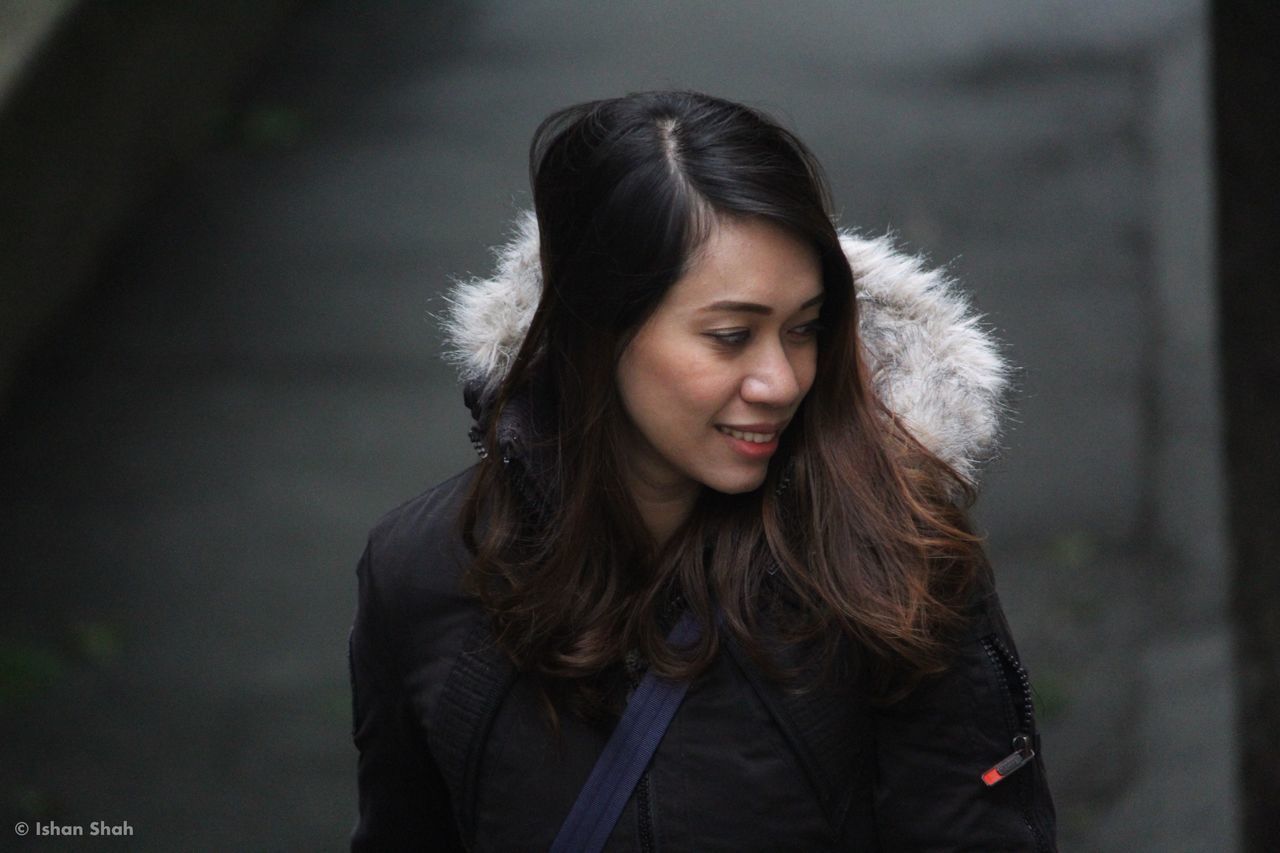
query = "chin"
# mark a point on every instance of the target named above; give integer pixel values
(737, 485)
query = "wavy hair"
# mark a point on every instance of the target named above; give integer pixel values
(858, 532)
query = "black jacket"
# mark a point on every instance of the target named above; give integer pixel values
(455, 754)
(744, 766)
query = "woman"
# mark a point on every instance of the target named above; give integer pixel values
(725, 454)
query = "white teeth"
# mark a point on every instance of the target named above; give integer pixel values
(753, 437)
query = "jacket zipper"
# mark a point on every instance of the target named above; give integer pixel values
(1022, 719)
(644, 813)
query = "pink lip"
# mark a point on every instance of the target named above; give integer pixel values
(751, 449)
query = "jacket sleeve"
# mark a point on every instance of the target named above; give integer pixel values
(935, 747)
(404, 803)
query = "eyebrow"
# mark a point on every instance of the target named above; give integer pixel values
(754, 307)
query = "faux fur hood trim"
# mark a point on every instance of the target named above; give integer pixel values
(933, 364)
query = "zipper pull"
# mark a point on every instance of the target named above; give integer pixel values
(1022, 753)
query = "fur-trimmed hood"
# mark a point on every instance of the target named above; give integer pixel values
(932, 362)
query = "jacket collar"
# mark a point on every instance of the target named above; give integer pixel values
(933, 363)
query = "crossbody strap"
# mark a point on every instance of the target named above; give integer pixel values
(625, 755)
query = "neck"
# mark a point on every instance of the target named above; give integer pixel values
(663, 506)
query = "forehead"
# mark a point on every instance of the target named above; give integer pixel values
(748, 261)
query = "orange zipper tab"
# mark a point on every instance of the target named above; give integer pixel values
(1022, 753)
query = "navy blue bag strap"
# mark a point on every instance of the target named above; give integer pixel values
(626, 755)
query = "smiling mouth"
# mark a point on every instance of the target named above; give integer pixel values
(753, 437)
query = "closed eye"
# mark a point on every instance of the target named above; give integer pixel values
(730, 337)
(808, 330)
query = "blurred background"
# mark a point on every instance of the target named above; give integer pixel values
(226, 227)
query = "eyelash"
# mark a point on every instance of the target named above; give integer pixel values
(737, 337)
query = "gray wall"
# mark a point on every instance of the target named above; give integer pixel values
(98, 100)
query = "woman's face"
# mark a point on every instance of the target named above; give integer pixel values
(715, 375)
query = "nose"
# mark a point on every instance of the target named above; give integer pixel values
(772, 379)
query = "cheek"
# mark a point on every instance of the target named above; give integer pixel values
(806, 369)
(697, 386)
(670, 382)
(646, 382)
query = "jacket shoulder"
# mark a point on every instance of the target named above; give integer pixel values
(410, 615)
(960, 756)
(418, 545)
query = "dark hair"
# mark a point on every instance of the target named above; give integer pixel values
(864, 542)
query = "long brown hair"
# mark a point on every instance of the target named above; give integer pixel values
(857, 527)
